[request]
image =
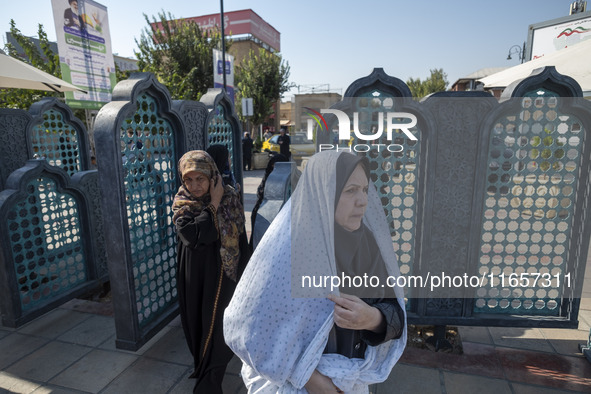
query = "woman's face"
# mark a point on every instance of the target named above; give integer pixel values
(353, 201)
(196, 182)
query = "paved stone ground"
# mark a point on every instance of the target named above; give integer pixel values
(72, 350)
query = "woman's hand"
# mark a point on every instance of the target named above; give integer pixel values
(216, 190)
(320, 384)
(354, 313)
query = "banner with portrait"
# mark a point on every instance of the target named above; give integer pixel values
(84, 46)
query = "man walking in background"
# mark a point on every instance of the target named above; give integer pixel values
(247, 145)
(284, 141)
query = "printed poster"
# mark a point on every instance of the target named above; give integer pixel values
(553, 38)
(85, 52)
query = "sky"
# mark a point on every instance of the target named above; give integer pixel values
(336, 42)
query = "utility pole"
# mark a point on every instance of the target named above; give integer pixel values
(223, 42)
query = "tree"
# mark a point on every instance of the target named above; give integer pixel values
(437, 82)
(179, 53)
(47, 61)
(262, 76)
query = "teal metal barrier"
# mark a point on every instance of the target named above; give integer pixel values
(140, 136)
(50, 231)
(534, 161)
(492, 195)
(46, 240)
(46, 255)
(57, 142)
(150, 181)
(223, 128)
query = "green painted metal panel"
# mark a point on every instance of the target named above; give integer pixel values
(533, 172)
(150, 172)
(46, 244)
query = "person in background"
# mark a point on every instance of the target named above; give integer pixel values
(221, 157)
(212, 252)
(284, 141)
(247, 145)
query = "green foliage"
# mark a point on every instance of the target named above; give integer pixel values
(548, 141)
(262, 76)
(179, 54)
(258, 144)
(47, 61)
(544, 166)
(121, 75)
(437, 82)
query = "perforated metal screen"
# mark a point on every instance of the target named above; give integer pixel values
(57, 142)
(148, 154)
(394, 171)
(220, 131)
(533, 171)
(46, 244)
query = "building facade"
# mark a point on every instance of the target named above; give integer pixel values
(247, 30)
(316, 101)
(470, 82)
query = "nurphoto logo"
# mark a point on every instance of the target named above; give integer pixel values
(393, 121)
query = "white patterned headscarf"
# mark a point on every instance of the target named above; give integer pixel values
(281, 338)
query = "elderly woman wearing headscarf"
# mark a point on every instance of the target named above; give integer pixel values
(212, 253)
(297, 338)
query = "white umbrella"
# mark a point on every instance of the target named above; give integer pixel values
(574, 61)
(17, 74)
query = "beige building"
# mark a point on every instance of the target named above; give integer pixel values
(316, 101)
(240, 49)
(248, 31)
(125, 63)
(286, 118)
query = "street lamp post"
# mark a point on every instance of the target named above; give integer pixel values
(224, 43)
(516, 49)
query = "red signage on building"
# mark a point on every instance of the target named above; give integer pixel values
(239, 23)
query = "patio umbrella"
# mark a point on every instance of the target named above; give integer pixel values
(574, 61)
(17, 74)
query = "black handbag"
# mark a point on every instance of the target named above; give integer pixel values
(346, 342)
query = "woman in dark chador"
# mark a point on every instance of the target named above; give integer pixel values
(221, 157)
(212, 253)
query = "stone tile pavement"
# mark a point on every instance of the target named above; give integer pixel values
(72, 350)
